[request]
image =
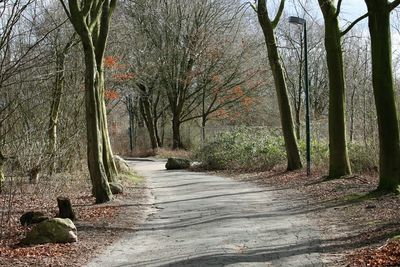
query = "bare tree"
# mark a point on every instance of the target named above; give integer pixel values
(268, 26)
(91, 21)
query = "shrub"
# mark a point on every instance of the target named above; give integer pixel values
(363, 157)
(244, 149)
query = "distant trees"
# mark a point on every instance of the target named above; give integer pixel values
(196, 54)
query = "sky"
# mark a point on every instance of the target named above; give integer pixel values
(352, 9)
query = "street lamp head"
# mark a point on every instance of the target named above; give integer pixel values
(297, 20)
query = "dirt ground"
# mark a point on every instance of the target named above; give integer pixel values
(357, 227)
(98, 225)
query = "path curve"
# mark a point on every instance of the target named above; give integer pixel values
(206, 220)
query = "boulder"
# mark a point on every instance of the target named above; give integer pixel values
(116, 188)
(56, 230)
(32, 217)
(122, 166)
(177, 164)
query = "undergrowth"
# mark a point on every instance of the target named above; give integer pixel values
(257, 149)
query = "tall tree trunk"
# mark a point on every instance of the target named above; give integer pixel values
(339, 164)
(299, 92)
(108, 157)
(352, 113)
(292, 151)
(382, 81)
(56, 100)
(157, 132)
(95, 145)
(91, 21)
(55, 106)
(298, 124)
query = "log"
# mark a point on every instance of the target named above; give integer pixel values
(65, 208)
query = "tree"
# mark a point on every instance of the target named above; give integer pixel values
(268, 26)
(60, 54)
(339, 164)
(190, 42)
(382, 81)
(91, 20)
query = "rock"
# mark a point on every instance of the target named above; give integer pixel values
(177, 164)
(56, 230)
(116, 188)
(195, 164)
(122, 166)
(32, 217)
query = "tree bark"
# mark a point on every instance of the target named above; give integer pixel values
(65, 208)
(382, 81)
(145, 111)
(292, 151)
(2, 177)
(91, 21)
(108, 157)
(176, 132)
(98, 175)
(56, 100)
(339, 164)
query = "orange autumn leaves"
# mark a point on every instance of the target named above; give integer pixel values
(232, 95)
(119, 74)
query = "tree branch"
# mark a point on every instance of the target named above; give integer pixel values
(65, 9)
(278, 14)
(394, 4)
(354, 23)
(339, 5)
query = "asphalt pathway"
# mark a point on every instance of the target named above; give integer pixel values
(205, 220)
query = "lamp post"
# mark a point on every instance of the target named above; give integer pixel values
(303, 22)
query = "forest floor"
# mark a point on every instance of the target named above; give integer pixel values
(357, 227)
(98, 226)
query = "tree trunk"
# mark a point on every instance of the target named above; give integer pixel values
(339, 164)
(2, 177)
(382, 81)
(203, 129)
(145, 111)
(298, 124)
(108, 157)
(65, 208)
(176, 133)
(157, 132)
(299, 92)
(55, 106)
(352, 114)
(292, 151)
(56, 100)
(94, 110)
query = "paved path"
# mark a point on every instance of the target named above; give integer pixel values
(205, 220)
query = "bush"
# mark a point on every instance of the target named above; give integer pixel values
(243, 149)
(319, 153)
(259, 149)
(363, 157)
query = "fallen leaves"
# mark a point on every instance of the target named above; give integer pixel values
(387, 255)
(95, 223)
